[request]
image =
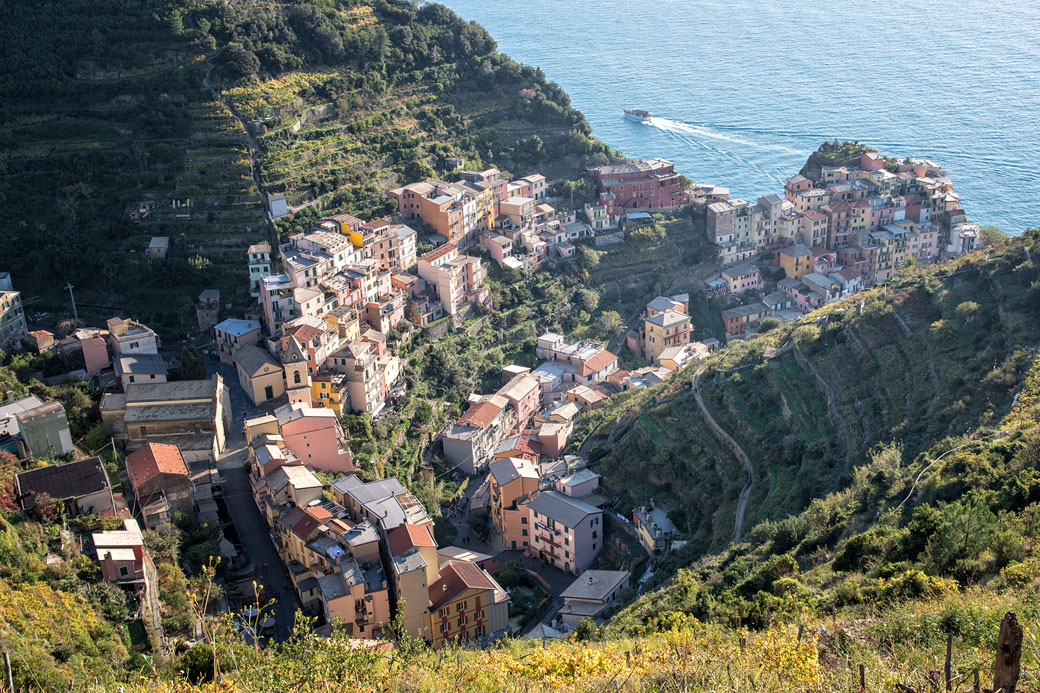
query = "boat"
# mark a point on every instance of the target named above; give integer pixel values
(638, 115)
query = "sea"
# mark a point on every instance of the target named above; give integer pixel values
(742, 91)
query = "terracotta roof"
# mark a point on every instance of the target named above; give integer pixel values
(456, 578)
(439, 252)
(406, 536)
(304, 333)
(480, 414)
(597, 363)
(308, 524)
(849, 273)
(154, 459)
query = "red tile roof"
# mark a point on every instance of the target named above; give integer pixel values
(304, 334)
(404, 537)
(597, 363)
(308, 524)
(456, 578)
(439, 252)
(152, 460)
(480, 414)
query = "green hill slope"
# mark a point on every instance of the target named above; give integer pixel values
(939, 352)
(106, 106)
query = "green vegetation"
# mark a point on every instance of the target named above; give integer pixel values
(163, 102)
(936, 353)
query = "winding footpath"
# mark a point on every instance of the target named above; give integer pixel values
(832, 403)
(745, 493)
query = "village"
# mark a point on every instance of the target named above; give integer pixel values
(259, 444)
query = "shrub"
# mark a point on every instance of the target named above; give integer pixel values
(768, 325)
(913, 584)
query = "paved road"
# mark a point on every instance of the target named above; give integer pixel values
(249, 523)
(745, 493)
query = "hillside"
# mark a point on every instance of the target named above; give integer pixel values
(938, 352)
(106, 108)
(934, 532)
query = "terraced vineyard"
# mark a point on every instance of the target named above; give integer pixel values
(165, 104)
(938, 352)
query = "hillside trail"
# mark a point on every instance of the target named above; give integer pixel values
(832, 402)
(745, 493)
(933, 373)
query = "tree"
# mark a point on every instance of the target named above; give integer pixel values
(587, 257)
(423, 413)
(239, 62)
(966, 311)
(510, 574)
(587, 299)
(585, 630)
(992, 235)
(768, 325)
(479, 522)
(193, 366)
(610, 322)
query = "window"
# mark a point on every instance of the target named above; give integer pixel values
(444, 627)
(462, 621)
(523, 520)
(131, 378)
(444, 612)
(460, 607)
(523, 532)
(566, 541)
(594, 534)
(566, 554)
(123, 571)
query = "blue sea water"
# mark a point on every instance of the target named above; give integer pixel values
(742, 91)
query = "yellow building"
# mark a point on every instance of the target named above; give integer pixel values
(459, 604)
(329, 390)
(259, 374)
(796, 261)
(345, 323)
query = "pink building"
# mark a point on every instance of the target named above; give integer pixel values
(121, 554)
(525, 395)
(871, 161)
(566, 532)
(580, 483)
(641, 184)
(499, 246)
(95, 351)
(233, 334)
(314, 436)
(312, 339)
(796, 184)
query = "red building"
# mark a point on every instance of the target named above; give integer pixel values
(641, 184)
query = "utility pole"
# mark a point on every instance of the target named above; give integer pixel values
(75, 315)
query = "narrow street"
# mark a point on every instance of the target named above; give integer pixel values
(256, 541)
(249, 523)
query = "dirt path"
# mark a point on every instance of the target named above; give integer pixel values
(832, 403)
(745, 493)
(933, 373)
